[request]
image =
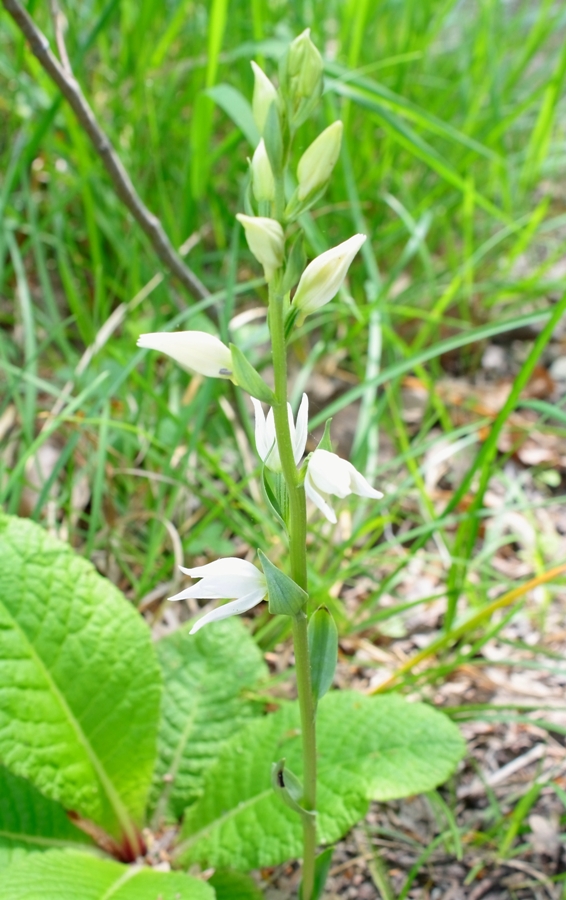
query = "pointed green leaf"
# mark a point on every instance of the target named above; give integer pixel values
(205, 675)
(369, 748)
(246, 377)
(30, 822)
(278, 502)
(296, 263)
(285, 597)
(321, 870)
(296, 207)
(273, 139)
(67, 875)
(325, 442)
(79, 683)
(290, 319)
(323, 651)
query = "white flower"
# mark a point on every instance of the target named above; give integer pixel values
(196, 351)
(265, 440)
(323, 277)
(264, 95)
(262, 176)
(318, 160)
(266, 241)
(329, 474)
(223, 579)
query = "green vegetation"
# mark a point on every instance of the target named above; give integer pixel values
(452, 163)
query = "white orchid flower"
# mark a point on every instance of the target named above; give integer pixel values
(328, 474)
(266, 441)
(196, 351)
(323, 277)
(266, 241)
(224, 579)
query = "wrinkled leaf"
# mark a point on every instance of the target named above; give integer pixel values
(30, 822)
(369, 748)
(79, 682)
(205, 675)
(67, 875)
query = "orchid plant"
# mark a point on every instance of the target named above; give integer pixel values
(270, 224)
(122, 758)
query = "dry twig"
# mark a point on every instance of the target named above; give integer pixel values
(62, 75)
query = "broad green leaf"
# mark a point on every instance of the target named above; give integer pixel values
(398, 748)
(79, 682)
(368, 748)
(30, 822)
(205, 674)
(234, 886)
(67, 875)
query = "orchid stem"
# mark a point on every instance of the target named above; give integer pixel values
(298, 559)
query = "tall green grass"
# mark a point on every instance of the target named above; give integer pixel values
(452, 162)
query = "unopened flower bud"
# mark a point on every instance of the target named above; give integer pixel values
(317, 162)
(323, 277)
(196, 351)
(264, 95)
(305, 65)
(266, 241)
(301, 77)
(262, 176)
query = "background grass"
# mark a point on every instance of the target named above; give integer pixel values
(453, 164)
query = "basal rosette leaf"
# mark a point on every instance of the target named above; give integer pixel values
(79, 682)
(67, 875)
(205, 677)
(30, 822)
(368, 748)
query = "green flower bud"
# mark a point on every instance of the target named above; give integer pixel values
(317, 162)
(264, 95)
(266, 241)
(262, 176)
(323, 277)
(301, 77)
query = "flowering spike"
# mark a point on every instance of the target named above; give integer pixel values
(264, 95)
(323, 277)
(196, 351)
(317, 162)
(266, 241)
(327, 474)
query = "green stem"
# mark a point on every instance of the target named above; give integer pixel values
(298, 558)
